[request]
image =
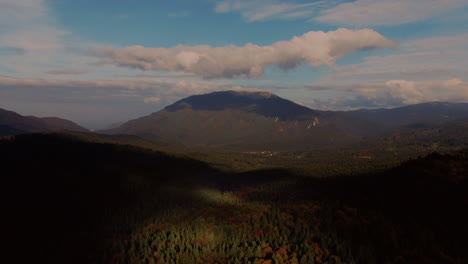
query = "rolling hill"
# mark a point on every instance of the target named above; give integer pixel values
(12, 123)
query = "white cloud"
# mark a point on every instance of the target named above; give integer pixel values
(418, 66)
(316, 48)
(387, 12)
(259, 10)
(435, 58)
(391, 93)
(422, 70)
(410, 92)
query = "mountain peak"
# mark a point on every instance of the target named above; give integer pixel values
(251, 94)
(263, 103)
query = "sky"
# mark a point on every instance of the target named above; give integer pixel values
(101, 62)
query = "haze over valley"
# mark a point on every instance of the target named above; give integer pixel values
(234, 131)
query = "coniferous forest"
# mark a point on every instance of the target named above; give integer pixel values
(79, 198)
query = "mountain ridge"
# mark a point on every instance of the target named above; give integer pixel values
(264, 103)
(14, 123)
(239, 121)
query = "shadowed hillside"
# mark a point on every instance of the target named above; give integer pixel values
(81, 202)
(12, 123)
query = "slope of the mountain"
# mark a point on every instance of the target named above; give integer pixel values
(246, 121)
(12, 123)
(261, 103)
(413, 116)
(55, 123)
(233, 120)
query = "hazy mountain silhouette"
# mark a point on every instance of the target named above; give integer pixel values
(262, 103)
(12, 123)
(245, 120)
(235, 120)
(418, 115)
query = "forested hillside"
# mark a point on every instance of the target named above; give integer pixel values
(12, 123)
(72, 201)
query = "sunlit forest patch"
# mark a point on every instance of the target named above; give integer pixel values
(125, 204)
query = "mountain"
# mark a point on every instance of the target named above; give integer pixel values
(261, 103)
(414, 116)
(12, 123)
(232, 120)
(246, 121)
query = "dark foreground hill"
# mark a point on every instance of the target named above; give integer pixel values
(253, 121)
(71, 201)
(12, 123)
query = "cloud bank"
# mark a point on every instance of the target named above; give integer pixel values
(387, 12)
(392, 93)
(429, 59)
(316, 48)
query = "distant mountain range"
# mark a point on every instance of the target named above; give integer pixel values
(251, 121)
(418, 115)
(12, 123)
(259, 120)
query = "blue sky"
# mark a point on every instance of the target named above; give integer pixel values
(100, 62)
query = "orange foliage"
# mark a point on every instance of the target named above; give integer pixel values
(267, 251)
(256, 233)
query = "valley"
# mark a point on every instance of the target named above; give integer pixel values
(234, 132)
(126, 204)
(162, 189)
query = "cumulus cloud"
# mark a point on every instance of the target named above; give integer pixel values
(411, 92)
(387, 12)
(316, 48)
(393, 93)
